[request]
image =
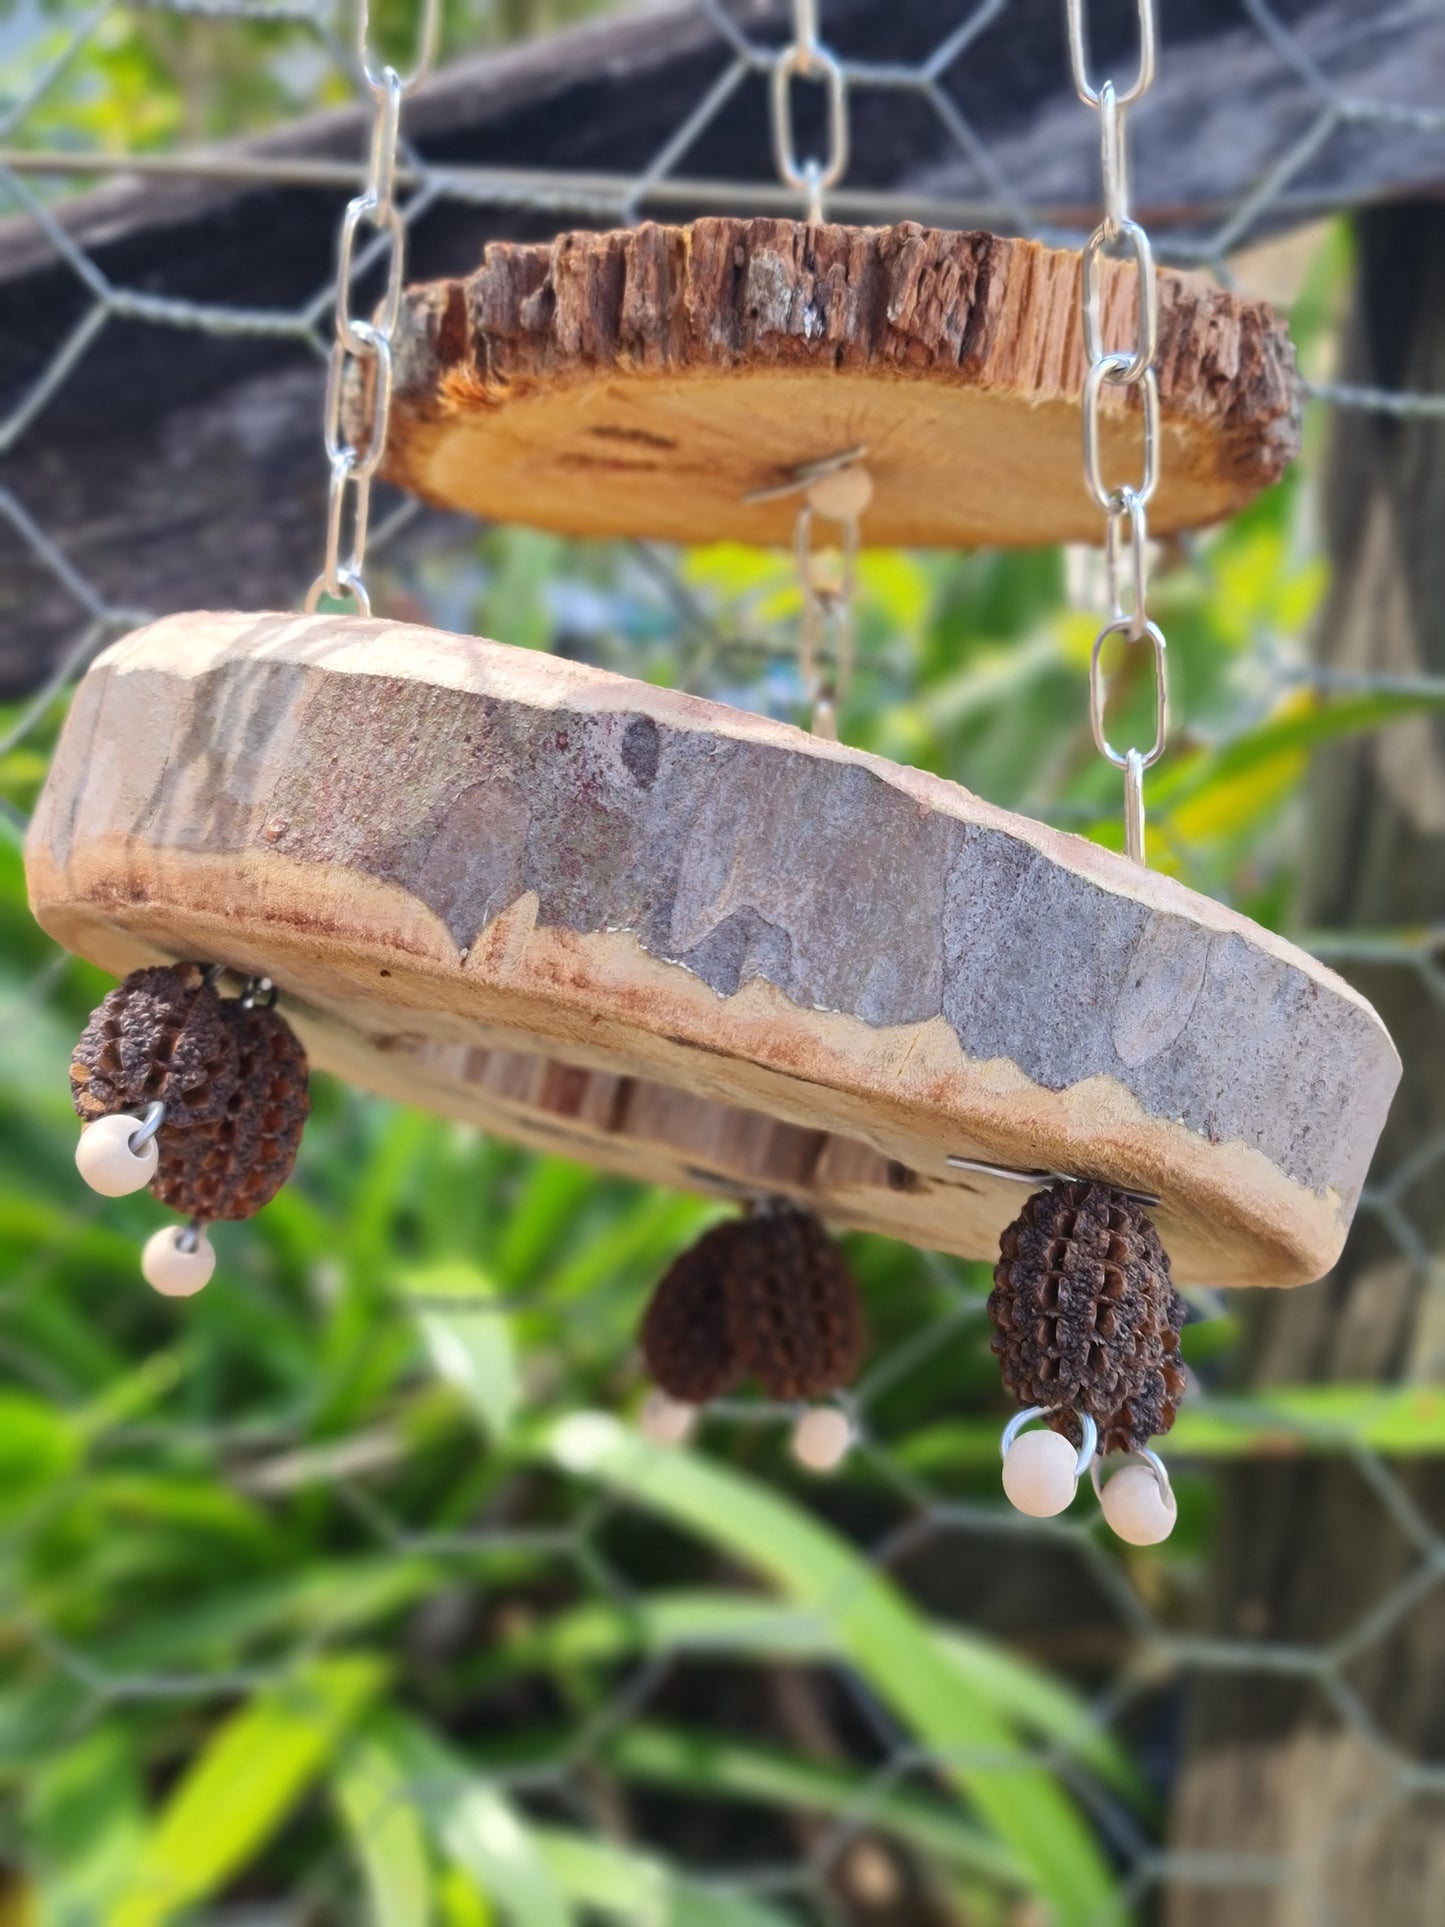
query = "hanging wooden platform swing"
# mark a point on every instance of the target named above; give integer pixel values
(697, 945)
(655, 381)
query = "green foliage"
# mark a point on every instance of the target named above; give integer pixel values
(342, 1573)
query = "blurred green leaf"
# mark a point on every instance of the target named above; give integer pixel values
(877, 1633)
(385, 1830)
(471, 1347)
(735, 1626)
(242, 1785)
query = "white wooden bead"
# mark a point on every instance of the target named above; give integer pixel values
(1040, 1473)
(821, 1438)
(667, 1421)
(171, 1269)
(843, 494)
(105, 1160)
(1136, 1509)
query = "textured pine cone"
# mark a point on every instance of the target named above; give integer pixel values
(793, 1306)
(685, 1339)
(162, 1034)
(230, 1168)
(1086, 1318)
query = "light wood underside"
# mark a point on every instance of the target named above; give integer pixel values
(645, 382)
(442, 848)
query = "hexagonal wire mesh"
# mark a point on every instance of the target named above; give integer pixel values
(908, 1519)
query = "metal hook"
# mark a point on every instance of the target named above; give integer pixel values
(805, 474)
(1038, 1178)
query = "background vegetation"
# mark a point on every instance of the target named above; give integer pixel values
(348, 1591)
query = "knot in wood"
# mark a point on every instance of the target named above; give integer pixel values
(231, 1167)
(1086, 1318)
(685, 1331)
(162, 1035)
(793, 1306)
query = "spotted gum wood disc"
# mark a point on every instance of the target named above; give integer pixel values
(698, 945)
(644, 382)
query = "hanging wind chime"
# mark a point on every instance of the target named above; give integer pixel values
(698, 946)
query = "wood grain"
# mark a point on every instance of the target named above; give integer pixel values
(428, 837)
(646, 381)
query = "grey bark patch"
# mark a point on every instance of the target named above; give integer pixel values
(640, 750)
(474, 866)
(1165, 977)
(747, 860)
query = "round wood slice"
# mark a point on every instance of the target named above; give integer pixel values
(646, 382)
(443, 849)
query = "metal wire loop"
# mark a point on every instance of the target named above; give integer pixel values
(428, 35)
(151, 1122)
(1139, 359)
(812, 177)
(1079, 54)
(1123, 626)
(1107, 372)
(1144, 1456)
(1089, 1429)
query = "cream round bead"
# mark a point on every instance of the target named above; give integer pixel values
(170, 1268)
(1040, 1474)
(105, 1160)
(821, 1438)
(843, 494)
(667, 1421)
(1137, 1509)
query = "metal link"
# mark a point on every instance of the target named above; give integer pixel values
(806, 57)
(1123, 626)
(1105, 374)
(361, 464)
(428, 35)
(825, 606)
(1129, 514)
(1124, 504)
(361, 354)
(1146, 302)
(1079, 55)
(1113, 159)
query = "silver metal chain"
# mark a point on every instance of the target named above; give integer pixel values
(1125, 505)
(363, 348)
(827, 672)
(835, 489)
(806, 57)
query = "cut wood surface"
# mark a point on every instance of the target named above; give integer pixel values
(433, 841)
(647, 381)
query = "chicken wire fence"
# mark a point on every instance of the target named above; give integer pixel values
(1151, 1647)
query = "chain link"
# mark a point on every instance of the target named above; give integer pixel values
(827, 616)
(361, 354)
(1126, 528)
(806, 57)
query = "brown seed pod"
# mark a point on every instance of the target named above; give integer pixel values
(685, 1337)
(1085, 1316)
(793, 1306)
(231, 1168)
(162, 1034)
